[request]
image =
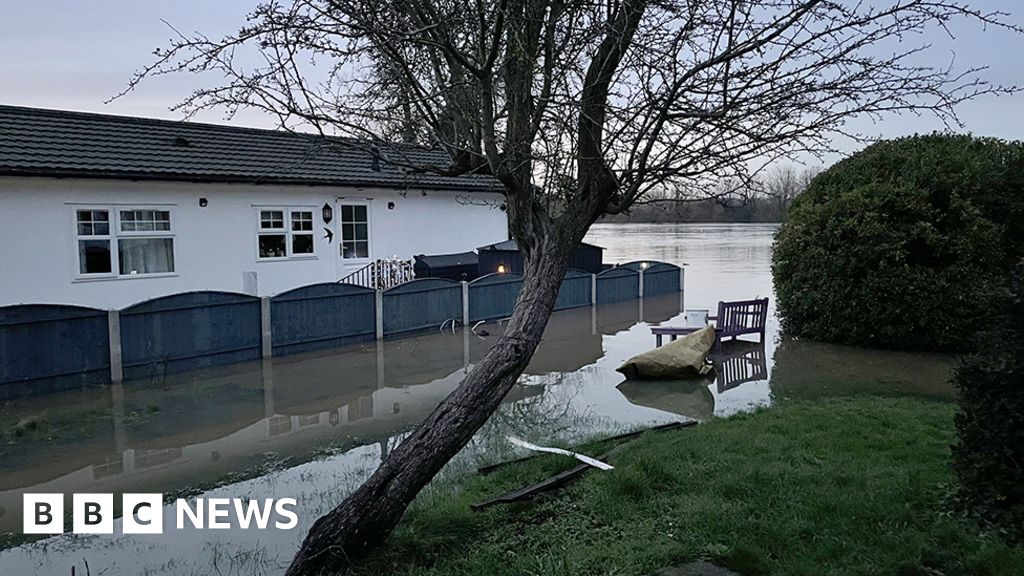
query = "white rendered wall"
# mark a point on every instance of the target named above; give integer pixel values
(215, 246)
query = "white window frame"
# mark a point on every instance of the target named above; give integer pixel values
(114, 234)
(286, 231)
(342, 202)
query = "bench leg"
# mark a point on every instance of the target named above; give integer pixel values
(657, 338)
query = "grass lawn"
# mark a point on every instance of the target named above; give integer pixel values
(837, 486)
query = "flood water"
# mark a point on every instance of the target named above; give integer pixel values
(312, 427)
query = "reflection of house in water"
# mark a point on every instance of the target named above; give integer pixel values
(738, 362)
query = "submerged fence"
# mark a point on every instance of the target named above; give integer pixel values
(41, 342)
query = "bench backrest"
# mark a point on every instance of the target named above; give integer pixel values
(742, 317)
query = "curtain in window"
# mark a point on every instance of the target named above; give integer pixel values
(146, 255)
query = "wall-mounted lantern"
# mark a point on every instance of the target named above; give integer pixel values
(327, 213)
(643, 265)
(501, 269)
(203, 203)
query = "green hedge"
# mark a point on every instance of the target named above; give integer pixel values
(904, 244)
(989, 458)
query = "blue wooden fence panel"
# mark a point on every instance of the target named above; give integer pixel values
(493, 296)
(189, 331)
(617, 284)
(661, 278)
(575, 291)
(321, 316)
(421, 304)
(43, 341)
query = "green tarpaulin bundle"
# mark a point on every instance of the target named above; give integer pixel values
(682, 358)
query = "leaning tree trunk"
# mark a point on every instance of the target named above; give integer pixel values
(346, 534)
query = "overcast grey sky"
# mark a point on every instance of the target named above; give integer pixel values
(75, 54)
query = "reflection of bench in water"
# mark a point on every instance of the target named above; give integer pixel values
(739, 362)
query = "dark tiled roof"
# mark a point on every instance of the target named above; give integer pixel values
(39, 142)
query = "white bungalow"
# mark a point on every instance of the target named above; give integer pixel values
(107, 211)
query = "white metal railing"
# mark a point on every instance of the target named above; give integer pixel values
(382, 274)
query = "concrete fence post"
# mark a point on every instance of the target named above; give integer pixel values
(682, 290)
(640, 289)
(114, 336)
(379, 313)
(593, 289)
(265, 328)
(465, 304)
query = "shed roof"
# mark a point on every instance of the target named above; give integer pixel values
(512, 246)
(446, 260)
(41, 142)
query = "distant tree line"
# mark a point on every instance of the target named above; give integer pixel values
(757, 199)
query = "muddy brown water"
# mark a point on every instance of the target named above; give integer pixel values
(312, 426)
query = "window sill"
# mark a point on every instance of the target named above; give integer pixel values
(124, 277)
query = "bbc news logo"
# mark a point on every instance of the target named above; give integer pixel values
(144, 514)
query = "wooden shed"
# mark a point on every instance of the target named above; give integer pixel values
(461, 266)
(505, 257)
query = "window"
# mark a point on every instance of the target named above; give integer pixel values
(302, 232)
(355, 231)
(144, 245)
(278, 240)
(141, 238)
(273, 238)
(94, 242)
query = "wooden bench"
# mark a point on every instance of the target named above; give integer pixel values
(733, 319)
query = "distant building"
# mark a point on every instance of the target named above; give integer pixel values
(107, 211)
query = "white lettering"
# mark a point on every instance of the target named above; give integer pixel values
(184, 510)
(251, 509)
(142, 513)
(280, 507)
(218, 508)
